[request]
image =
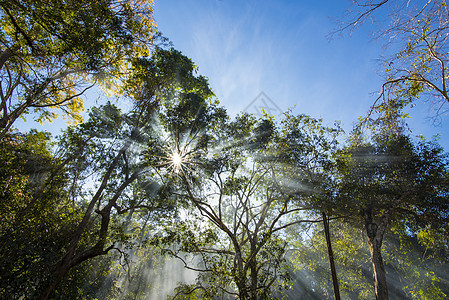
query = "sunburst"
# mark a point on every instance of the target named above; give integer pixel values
(177, 161)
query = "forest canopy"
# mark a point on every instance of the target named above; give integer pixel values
(159, 193)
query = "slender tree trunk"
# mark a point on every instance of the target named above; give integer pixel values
(375, 232)
(331, 257)
(241, 286)
(70, 258)
(380, 278)
(253, 269)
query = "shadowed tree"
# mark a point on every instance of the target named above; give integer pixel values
(32, 232)
(391, 179)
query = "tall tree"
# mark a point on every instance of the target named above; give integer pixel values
(387, 180)
(418, 30)
(34, 223)
(114, 151)
(224, 193)
(248, 187)
(51, 52)
(308, 146)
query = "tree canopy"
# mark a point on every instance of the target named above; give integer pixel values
(160, 179)
(417, 65)
(51, 52)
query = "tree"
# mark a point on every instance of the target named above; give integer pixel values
(389, 180)
(99, 188)
(35, 223)
(114, 151)
(51, 52)
(235, 242)
(248, 187)
(229, 199)
(417, 271)
(308, 257)
(308, 146)
(419, 66)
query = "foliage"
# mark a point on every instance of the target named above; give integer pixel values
(110, 161)
(35, 223)
(394, 174)
(310, 262)
(106, 210)
(51, 52)
(417, 34)
(413, 271)
(241, 187)
(388, 179)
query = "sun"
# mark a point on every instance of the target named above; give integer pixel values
(176, 161)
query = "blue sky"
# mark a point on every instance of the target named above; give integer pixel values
(281, 48)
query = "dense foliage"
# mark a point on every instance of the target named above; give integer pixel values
(159, 193)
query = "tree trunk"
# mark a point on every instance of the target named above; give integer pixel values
(380, 279)
(62, 270)
(375, 232)
(241, 287)
(239, 274)
(331, 257)
(253, 269)
(71, 259)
